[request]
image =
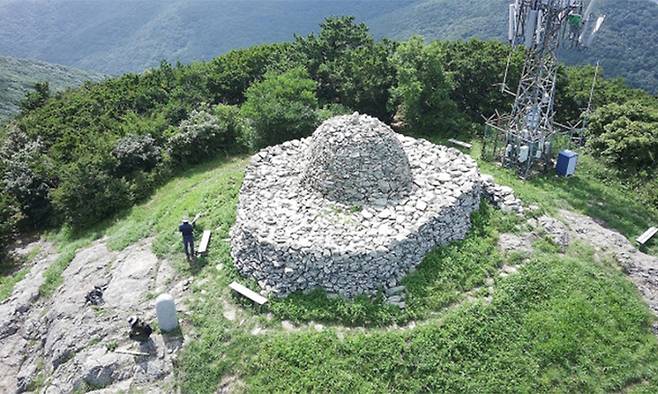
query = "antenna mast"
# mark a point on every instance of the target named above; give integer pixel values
(541, 26)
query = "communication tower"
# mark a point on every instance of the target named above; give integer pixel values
(541, 26)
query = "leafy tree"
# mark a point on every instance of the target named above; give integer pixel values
(204, 133)
(626, 135)
(136, 152)
(574, 87)
(9, 219)
(477, 68)
(424, 88)
(364, 78)
(230, 75)
(26, 175)
(281, 107)
(36, 98)
(88, 193)
(329, 52)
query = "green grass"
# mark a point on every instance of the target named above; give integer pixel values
(563, 324)
(7, 282)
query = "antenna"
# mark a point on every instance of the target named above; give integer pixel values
(542, 27)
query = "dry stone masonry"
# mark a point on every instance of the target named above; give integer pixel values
(350, 210)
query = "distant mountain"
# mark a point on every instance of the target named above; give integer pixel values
(18, 76)
(627, 45)
(115, 36)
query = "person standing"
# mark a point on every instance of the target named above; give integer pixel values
(187, 229)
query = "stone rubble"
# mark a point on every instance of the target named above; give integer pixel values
(502, 197)
(350, 210)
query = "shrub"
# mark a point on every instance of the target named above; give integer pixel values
(281, 107)
(9, 218)
(87, 193)
(135, 152)
(26, 175)
(204, 133)
(626, 135)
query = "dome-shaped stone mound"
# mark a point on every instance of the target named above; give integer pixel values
(356, 158)
(289, 236)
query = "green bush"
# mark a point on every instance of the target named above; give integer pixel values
(9, 218)
(205, 133)
(87, 193)
(626, 135)
(282, 107)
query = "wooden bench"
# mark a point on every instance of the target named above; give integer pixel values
(644, 238)
(460, 143)
(205, 240)
(252, 295)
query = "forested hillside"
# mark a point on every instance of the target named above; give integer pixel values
(19, 76)
(83, 155)
(119, 36)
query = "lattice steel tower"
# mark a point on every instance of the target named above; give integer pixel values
(542, 26)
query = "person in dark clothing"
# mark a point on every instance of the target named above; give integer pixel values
(139, 330)
(187, 229)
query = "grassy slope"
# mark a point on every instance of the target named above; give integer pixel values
(565, 323)
(18, 76)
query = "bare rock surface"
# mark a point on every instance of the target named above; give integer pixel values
(640, 267)
(69, 344)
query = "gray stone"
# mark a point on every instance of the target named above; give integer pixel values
(362, 212)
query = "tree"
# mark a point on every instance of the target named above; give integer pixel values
(625, 135)
(281, 107)
(325, 54)
(9, 218)
(87, 193)
(365, 77)
(36, 98)
(477, 68)
(424, 88)
(205, 133)
(26, 175)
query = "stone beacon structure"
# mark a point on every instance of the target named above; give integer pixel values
(350, 210)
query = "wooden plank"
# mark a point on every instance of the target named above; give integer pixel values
(252, 295)
(460, 143)
(205, 240)
(644, 238)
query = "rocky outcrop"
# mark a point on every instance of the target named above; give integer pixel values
(358, 218)
(67, 344)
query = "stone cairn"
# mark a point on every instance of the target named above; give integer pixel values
(350, 210)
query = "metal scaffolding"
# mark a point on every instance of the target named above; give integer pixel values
(542, 26)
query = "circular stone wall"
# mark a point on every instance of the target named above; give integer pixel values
(293, 232)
